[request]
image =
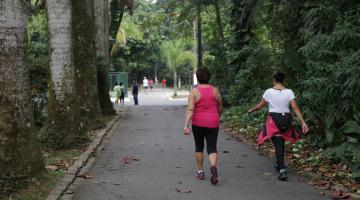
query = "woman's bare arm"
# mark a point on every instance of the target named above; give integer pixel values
(297, 111)
(219, 101)
(259, 106)
(189, 111)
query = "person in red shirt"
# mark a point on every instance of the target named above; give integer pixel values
(151, 84)
(204, 111)
(164, 83)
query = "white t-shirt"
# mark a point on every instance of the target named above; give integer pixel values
(279, 100)
(145, 83)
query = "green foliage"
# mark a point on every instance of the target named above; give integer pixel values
(349, 151)
(174, 53)
(316, 43)
(239, 116)
(38, 61)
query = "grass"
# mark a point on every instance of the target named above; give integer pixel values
(39, 187)
(57, 162)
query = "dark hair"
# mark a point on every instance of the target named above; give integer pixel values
(116, 83)
(203, 75)
(121, 83)
(279, 77)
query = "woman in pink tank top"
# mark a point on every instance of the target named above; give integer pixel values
(204, 110)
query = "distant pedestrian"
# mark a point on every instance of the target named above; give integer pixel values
(151, 84)
(204, 109)
(278, 125)
(145, 84)
(122, 93)
(163, 82)
(117, 90)
(135, 92)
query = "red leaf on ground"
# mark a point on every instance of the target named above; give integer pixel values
(340, 195)
(127, 159)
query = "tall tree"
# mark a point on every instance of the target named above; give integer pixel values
(117, 10)
(193, 10)
(101, 10)
(218, 19)
(63, 127)
(175, 55)
(199, 37)
(241, 16)
(84, 55)
(20, 155)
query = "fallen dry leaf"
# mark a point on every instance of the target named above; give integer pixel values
(136, 159)
(182, 191)
(85, 176)
(340, 194)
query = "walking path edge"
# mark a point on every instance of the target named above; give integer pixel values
(73, 171)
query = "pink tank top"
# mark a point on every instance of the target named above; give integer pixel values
(206, 109)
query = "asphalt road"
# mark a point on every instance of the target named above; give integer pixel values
(148, 158)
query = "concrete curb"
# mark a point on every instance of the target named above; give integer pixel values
(74, 170)
(169, 96)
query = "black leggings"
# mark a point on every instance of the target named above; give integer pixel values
(279, 144)
(210, 134)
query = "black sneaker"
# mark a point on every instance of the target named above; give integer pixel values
(214, 175)
(282, 175)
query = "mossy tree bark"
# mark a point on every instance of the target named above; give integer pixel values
(20, 155)
(63, 127)
(102, 20)
(84, 56)
(199, 38)
(218, 20)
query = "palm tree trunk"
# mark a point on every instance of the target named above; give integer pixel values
(101, 9)
(84, 55)
(195, 53)
(63, 127)
(20, 155)
(175, 82)
(218, 20)
(199, 38)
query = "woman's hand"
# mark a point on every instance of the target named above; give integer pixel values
(304, 127)
(186, 130)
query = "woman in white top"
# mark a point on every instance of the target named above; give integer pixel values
(278, 126)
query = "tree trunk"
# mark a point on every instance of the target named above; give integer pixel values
(63, 127)
(195, 52)
(101, 11)
(199, 38)
(84, 54)
(218, 20)
(117, 10)
(20, 155)
(175, 83)
(156, 75)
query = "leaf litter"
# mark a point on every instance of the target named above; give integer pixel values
(324, 174)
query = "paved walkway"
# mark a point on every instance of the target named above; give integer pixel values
(163, 163)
